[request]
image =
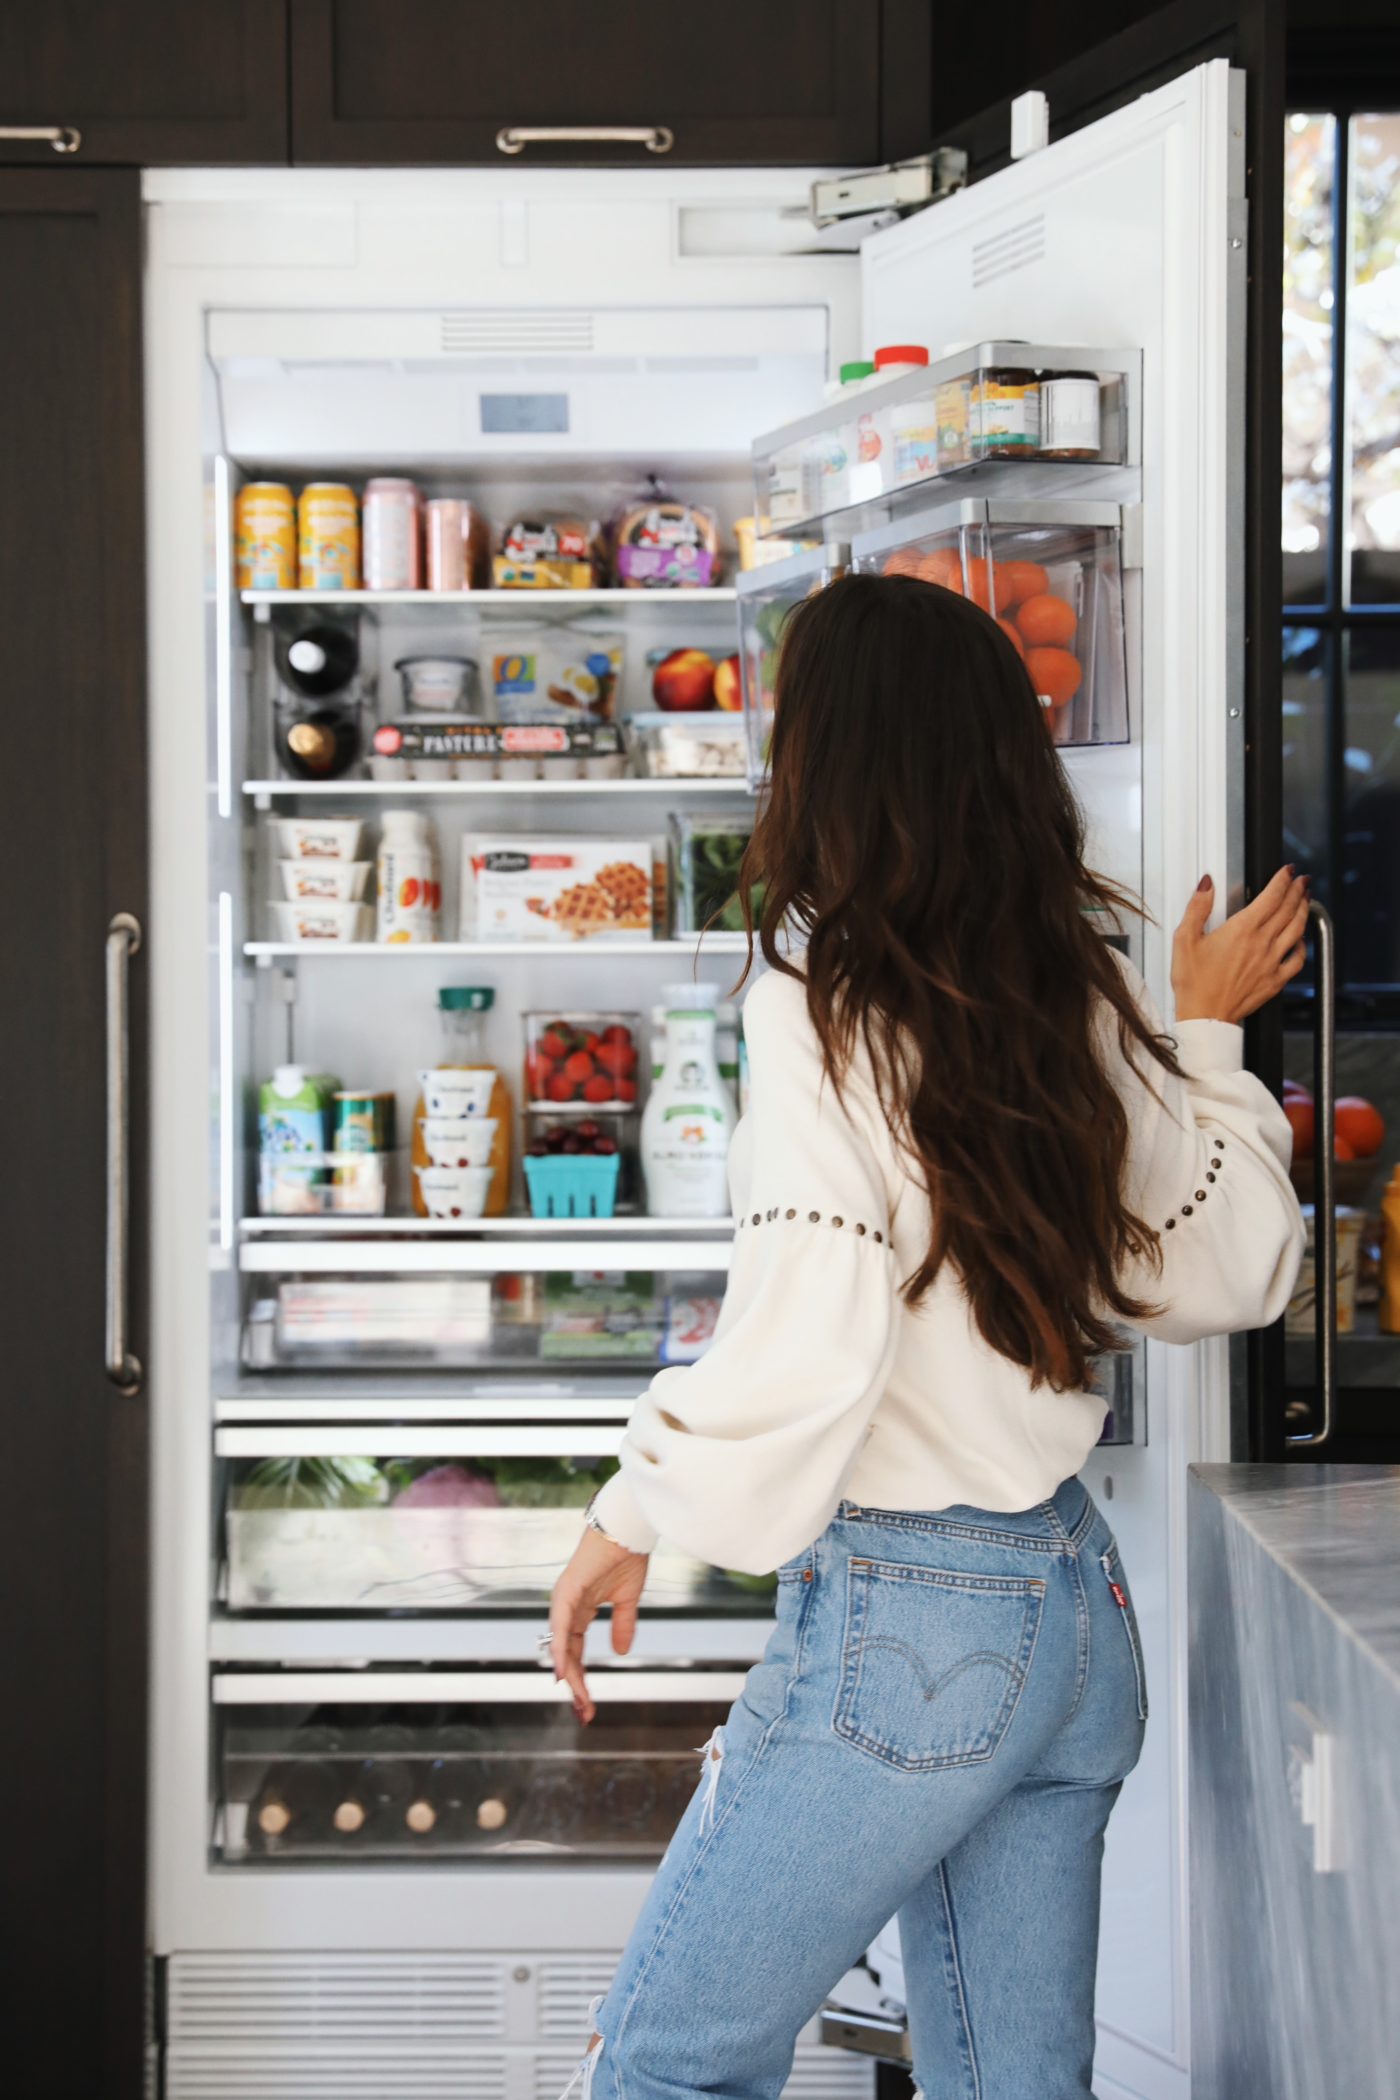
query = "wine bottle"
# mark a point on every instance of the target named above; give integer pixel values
(317, 743)
(626, 1797)
(294, 1801)
(443, 1799)
(372, 1798)
(319, 659)
(494, 1800)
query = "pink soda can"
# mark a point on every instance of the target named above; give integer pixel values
(391, 554)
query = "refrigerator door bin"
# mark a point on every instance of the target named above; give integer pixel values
(986, 407)
(328, 1769)
(1051, 574)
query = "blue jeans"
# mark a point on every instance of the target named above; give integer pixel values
(939, 1728)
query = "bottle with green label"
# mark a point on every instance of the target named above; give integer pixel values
(689, 1116)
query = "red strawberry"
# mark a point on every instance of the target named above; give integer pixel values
(616, 1033)
(618, 1058)
(560, 1087)
(577, 1067)
(598, 1088)
(626, 1089)
(554, 1043)
(538, 1073)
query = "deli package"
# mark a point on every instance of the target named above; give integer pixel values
(659, 543)
(465, 738)
(548, 554)
(555, 889)
(556, 672)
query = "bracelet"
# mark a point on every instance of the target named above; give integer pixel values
(591, 1520)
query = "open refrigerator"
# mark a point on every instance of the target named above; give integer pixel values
(385, 1858)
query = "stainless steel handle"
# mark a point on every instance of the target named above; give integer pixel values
(514, 138)
(1324, 1178)
(64, 138)
(123, 941)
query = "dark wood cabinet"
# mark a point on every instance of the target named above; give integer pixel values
(73, 1630)
(732, 82)
(146, 82)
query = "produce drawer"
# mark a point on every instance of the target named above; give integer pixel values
(1051, 575)
(329, 1767)
(423, 1519)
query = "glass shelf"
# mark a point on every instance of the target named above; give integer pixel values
(508, 605)
(671, 790)
(878, 446)
(543, 951)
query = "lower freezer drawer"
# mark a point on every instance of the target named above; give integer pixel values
(325, 1767)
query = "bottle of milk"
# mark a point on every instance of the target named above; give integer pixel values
(689, 1116)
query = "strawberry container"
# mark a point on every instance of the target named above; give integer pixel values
(577, 1063)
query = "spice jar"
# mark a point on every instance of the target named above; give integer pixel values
(1004, 413)
(1069, 416)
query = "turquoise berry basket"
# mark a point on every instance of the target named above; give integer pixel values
(572, 1185)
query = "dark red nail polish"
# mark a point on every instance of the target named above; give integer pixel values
(1204, 883)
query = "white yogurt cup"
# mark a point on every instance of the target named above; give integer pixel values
(324, 881)
(319, 838)
(448, 1092)
(455, 1141)
(312, 921)
(455, 1192)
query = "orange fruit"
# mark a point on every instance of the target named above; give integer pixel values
(903, 562)
(979, 584)
(1341, 1149)
(1361, 1125)
(1019, 580)
(943, 567)
(1015, 640)
(1047, 621)
(1055, 674)
(1299, 1110)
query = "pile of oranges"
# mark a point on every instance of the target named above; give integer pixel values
(1039, 626)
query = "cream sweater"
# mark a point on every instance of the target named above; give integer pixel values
(822, 1384)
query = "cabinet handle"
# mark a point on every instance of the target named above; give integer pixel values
(1324, 1190)
(514, 138)
(123, 941)
(64, 138)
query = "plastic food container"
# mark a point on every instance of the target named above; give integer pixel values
(309, 1184)
(710, 746)
(459, 1141)
(309, 920)
(572, 1185)
(319, 838)
(438, 683)
(1301, 1315)
(583, 1061)
(324, 881)
(456, 1093)
(455, 1192)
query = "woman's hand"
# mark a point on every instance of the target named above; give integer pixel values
(599, 1573)
(1229, 974)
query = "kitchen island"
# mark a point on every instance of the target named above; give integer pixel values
(1295, 1780)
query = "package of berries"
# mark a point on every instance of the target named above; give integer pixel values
(581, 1061)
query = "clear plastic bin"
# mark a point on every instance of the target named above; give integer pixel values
(766, 597)
(707, 745)
(332, 1783)
(706, 851)
(577, 1062)
(313, 1184)
(387, 1533)
(1051, 575)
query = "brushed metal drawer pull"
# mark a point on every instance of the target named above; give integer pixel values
(514, 138)
(64, 138)
(123, 941)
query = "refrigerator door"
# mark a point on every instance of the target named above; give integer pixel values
(1130, 232)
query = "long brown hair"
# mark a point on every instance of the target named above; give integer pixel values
(922, 840)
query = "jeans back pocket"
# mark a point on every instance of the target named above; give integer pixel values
(933, 1663)
(1118, 1589)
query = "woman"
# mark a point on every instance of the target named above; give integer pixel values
(973, 1157)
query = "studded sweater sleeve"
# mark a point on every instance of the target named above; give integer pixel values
(1208, 1170)
(742, 1457)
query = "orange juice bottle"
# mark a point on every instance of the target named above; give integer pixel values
(463, 1009)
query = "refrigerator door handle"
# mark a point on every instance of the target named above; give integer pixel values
(123, 941)
(1325, 1208)
(64, 138)
(514, 138)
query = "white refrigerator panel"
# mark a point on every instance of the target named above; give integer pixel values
(1130, 232)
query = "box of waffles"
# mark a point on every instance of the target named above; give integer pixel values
(556, 889)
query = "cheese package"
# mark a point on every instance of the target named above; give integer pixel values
(547, 554)
(555, 889)
(666, 545)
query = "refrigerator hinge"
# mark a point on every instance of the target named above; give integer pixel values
(905, 186)
(1131, 541)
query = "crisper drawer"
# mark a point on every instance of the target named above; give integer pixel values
(427, 1519)
(325, 1766)
(1050, 574)
(377, 1306)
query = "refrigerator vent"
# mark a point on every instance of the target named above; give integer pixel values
(310, 1999)
(1012, 249)
(516, 332)
(817, 2074)
(340, 2075)
(567, 1987)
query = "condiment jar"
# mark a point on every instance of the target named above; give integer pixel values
(1005, 413)
(1069, 416)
